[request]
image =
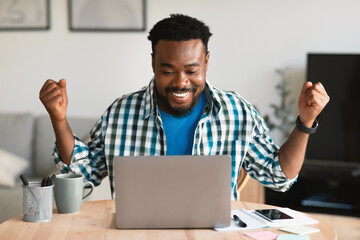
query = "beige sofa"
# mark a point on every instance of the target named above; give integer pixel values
(29, 140)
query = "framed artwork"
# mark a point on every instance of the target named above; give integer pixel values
(24, 15)
(109, 15)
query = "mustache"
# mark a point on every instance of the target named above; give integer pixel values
(177, 89)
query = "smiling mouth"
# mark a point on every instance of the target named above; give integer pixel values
(180, 95)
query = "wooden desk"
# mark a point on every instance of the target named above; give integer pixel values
(96, 220)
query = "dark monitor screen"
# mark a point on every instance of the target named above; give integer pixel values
(338, 135)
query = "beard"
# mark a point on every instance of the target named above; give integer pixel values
(181, 110)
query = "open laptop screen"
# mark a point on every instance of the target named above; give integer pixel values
(172, 191)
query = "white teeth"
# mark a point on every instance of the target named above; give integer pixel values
(181, 95)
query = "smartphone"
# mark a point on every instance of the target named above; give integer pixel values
(272, 214)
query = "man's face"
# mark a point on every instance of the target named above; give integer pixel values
(180, 74)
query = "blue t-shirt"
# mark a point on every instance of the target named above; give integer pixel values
(179, 131)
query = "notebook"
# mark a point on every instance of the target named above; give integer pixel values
(301, 230)
(172, 191)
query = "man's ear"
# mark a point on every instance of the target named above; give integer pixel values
(207, 60)
(153, 62)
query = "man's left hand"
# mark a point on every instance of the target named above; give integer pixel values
(313, 98)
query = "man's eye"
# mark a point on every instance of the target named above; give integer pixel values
(191, 72)
(167, 73)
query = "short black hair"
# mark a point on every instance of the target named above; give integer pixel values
(179, 27)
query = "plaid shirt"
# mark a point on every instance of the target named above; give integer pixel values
(132, 126)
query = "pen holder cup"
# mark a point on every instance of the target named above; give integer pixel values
(37, 202)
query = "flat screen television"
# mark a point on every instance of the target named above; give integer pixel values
(337, 141)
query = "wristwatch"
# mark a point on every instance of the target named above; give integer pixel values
(305, 129)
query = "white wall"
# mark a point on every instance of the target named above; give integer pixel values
(251, 39)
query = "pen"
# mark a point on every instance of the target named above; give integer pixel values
(239, 221)
(48, 181)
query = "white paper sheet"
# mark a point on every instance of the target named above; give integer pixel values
(254, 221)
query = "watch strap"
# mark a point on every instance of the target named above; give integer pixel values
(305, 129)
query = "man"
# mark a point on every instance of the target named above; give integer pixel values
(180, 113)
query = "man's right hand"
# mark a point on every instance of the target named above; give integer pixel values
(54, 98)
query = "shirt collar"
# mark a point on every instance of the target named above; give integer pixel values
(150, 99)
(212, 100)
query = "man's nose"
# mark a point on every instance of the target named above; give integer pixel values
(181, 80)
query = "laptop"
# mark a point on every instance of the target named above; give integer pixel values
(172, 191)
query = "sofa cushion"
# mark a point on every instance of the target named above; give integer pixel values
(16, 131)
(45, 140)
(11, 166)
